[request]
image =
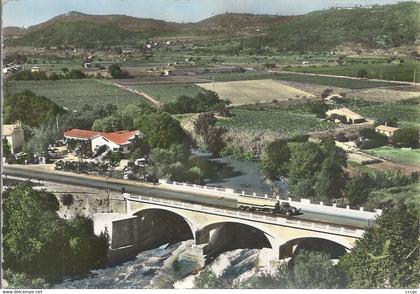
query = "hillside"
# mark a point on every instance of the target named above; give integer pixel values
(377, 27)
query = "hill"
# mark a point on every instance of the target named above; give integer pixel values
(375, 27)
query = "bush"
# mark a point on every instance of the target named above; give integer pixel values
(406, 137)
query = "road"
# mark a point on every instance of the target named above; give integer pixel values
(159, 191)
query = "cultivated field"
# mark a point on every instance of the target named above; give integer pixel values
(400, 155)
(246, 92)
(386, 71)
(382, 95)
(283, 122)
(300, 78)
(73, 94)
(166, 93)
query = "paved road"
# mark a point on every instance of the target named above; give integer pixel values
(146, 189)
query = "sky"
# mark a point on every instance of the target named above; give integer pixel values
(24, 13)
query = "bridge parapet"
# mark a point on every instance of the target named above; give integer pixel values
(249, 216)
(304, 204)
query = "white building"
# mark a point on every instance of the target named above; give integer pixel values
(14, 136)
(122, 141)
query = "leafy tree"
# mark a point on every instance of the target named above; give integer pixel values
(213, 139)
(204, 101)
(331, 150)
(406, 137)
(24, 281)
(318, 109)
(6, 148)
(40, 138)
(388, 255)
(161, 130)
(203, 122)
(314, 270)
(116, 72)
(30, 109)
(374, 139)
(331, 180)
(303, 188)
(107, 124)
(358, 189)
(306, 161)
(275, 159)
(75, 74)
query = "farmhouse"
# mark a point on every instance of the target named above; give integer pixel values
(122, 141)
(345, 115)
(14, 136)
(386, 130)
(35, 69)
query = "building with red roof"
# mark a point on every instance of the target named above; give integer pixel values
(121, 141)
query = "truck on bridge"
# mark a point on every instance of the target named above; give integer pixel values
(266, 205)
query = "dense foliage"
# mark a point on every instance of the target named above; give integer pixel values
(40, 244)
(388, 255)
(204, 101)
(275, 159)
(30, 109)
(406, 137)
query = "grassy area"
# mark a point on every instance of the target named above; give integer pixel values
(386, 71)
(408, 115)
(73, 94)
(400, 155)
(327, 81)
(168, 92)
(284, 122)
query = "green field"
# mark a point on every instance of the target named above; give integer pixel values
(327, 81)
(407, 115)
(400, 155)
(168, 92)
(73, 94)
(386, 71)
(287, 123)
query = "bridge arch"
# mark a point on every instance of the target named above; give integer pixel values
(333, 248)
(159, 226)
(230, 235)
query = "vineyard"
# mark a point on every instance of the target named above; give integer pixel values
(73, 94)
(246, 92)
(166, 93)
(386, 71)
(407, 115)
(284, 122)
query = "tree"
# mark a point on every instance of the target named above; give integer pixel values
(314, 270)
(331, 180)
(6, 148)
(161, 130)
(406, 137)
(305, 161)
(203, 122)
(209, 280)
(388, 255)
(318, 109)
(358, 189)
(75, 74)
(41, 137)
(275, 159)
(30, 109)
(116, 72)
(107, 124)
(213, 139)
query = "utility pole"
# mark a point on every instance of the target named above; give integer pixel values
(414, 78)
(213, 83)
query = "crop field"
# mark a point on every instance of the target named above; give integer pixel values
(283, 122)
(245, 92)
(73, 94)
(407, 115)
(386, 71)
(401, 155)
(382, 95)
(166, 93)
(317, 80)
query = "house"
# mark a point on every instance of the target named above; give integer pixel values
(333, 98)
(345, 115)
(35, 69)
(14, 136)
(386, 130)
(122, 141)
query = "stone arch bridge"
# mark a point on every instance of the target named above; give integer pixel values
(151, 222)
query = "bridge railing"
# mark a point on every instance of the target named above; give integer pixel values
(357, 233)
(299, 203)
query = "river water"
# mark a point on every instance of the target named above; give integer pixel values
(169, 266)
